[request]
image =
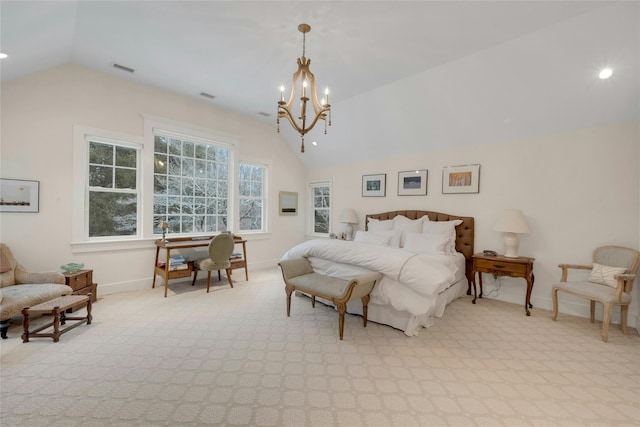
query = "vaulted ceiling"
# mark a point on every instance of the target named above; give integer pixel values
(427, 74)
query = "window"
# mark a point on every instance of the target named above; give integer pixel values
(252, 181)
(190, 184)
(320, 207)
(114, 198)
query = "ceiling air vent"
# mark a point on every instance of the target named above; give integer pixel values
(207, 95)
(262, 113)
(123, 68)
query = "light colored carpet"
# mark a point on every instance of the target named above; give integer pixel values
(233, 358)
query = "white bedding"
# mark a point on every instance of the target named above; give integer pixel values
(411, 282)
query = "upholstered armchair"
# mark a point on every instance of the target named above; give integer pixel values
(612, 274)
(20, 288)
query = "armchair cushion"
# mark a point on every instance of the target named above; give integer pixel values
(594, 291)
(605, 275)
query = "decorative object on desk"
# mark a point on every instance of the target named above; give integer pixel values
(72, 267)
(163, 227)
(17, 195)
(349, 217)
(288, 203)
(374, 185)
(512, 223)
(461, 179)
(412, 183)
(321, 111)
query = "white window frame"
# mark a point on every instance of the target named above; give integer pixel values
(265, 192)
(310, 197)
(153, 124)
(82, 135)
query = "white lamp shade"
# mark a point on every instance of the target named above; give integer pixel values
(511, 221)
(348, 216)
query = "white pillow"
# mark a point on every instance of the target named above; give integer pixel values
(444, 229)
(406, 225)
(380, 238)
(604, 275)
(378, 225)
(430, 244)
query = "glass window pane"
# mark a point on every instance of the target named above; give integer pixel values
(160, 163)
(201, 151)
(174, 205)
(200, 188)
(321, 223)
(160, 144)
(187, 149)
(159, 205)
(101, 176)
(175, 165)
(101, 154)
(188, 167)
(174, 185)
(201, 169)
(187, 223)
(256, 189)
(159, 184)
(112, 214)
(256, 174)
(126, 178)
(175, 147)
(245, 189)
(126, 157)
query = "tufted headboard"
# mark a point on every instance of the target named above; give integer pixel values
(464, 232)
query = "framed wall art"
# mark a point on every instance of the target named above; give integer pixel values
(461, 179)
(17, 195)
(374, 185)
(412, 183)
(288, 203)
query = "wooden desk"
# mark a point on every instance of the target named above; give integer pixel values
(503, 266)
(189, 242)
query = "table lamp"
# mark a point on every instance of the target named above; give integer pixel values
(512, 223)
(348, 217)
(163, 227)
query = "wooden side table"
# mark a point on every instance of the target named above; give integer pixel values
(82, 283)
(503, 266)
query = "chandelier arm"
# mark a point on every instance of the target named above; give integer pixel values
(283, 112)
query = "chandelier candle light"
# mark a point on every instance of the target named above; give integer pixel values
(307, 83)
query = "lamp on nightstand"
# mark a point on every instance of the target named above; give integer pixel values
(348, 217)
(512, 223)
(163, 227)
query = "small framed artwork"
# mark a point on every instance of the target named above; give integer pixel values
(461, 179)
(18, 195)
(412, 183)
(374, 185)
(288, 203)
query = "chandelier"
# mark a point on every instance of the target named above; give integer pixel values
(304, 124)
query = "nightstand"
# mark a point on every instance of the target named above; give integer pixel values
(503, 266)
(82, 283)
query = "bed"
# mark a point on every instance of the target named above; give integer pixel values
(423, 268)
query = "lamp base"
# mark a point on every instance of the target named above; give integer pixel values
(348, 229)
(511, 244)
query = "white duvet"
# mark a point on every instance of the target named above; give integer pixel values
(411, 282)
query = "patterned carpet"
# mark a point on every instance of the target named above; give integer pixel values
(233, 358)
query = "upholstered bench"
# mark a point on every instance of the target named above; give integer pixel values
(299, 276)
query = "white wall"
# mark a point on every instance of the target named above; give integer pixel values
(38, 113)
(578, 190)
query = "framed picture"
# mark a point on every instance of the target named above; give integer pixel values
(374, 185)
(412, 183)
(288, 203)
(17, 195)
(461, 179)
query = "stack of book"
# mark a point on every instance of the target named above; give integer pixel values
(177, 262)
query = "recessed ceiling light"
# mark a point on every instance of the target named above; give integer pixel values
(314, 143)
(605, 73)
(3, 55)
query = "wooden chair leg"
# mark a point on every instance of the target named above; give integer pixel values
(313, 301)
(593, 311)
(606, 318)
(624, 312)
(208, 280)
(228, 276)
(554, 296)
(219, 276)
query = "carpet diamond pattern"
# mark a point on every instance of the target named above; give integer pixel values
(233, 358)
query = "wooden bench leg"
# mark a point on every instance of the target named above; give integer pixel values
(342, 308)
(289, 290)
(365, 302)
